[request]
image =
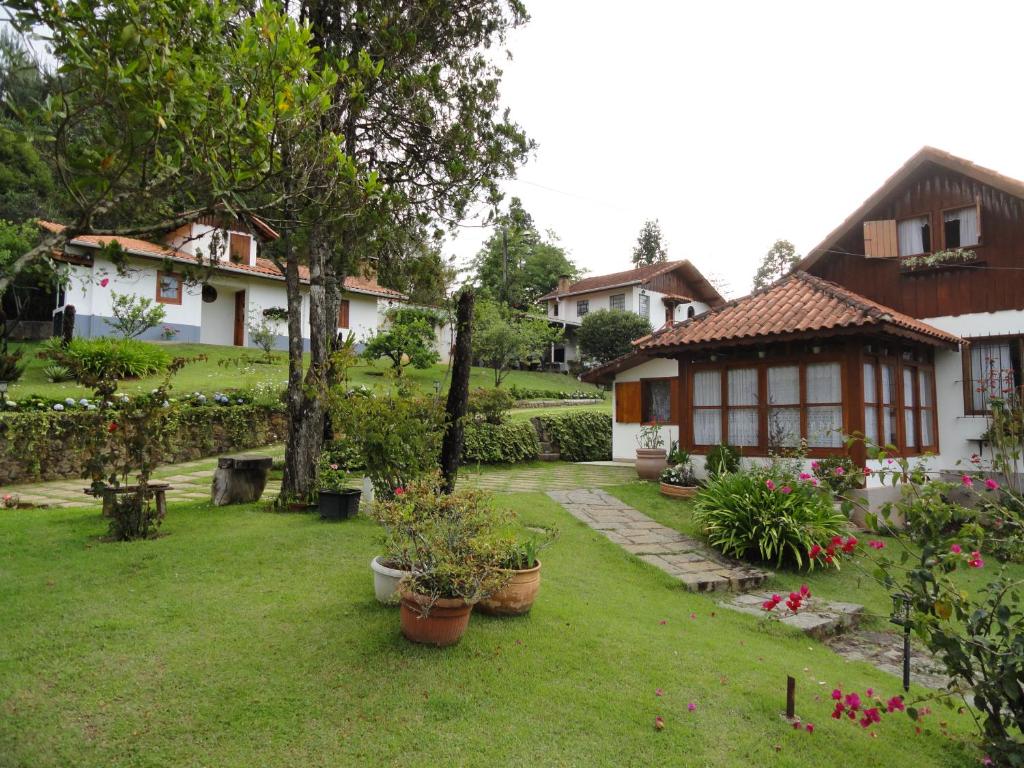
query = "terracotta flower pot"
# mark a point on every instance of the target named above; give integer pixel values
(444, 625)
(650, 463)
(386, 580)
(678, 491)
(516, 598)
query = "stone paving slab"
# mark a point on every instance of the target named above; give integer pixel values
(817, 618)
(884, 650)
(690, 561)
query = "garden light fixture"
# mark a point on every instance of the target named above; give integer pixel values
(901, 605)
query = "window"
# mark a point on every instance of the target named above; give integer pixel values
(690, 312)
(784, 405)
(707, 407)
(618, 301)
(168, 288)
(824, 396)
(657, 401)
(209, 294)
(343, 314)
(554, 308)
(239, 248)
(960, 227)
(743, 410)
(645, 306)
(582, 307)
(899, 403)
(992, 368)
(559, 355)
(915, 236)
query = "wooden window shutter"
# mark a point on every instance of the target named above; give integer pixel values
(343, 314)
(674, 389)
(628, 402)
(880, 239)
(239, 248)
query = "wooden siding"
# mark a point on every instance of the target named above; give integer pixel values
(948, 290)
(672, 283)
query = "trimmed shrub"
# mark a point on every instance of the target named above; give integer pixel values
(508, 443)
(489, 404)
(526, 393)
(110, 358)
(583, 436)
(760, 517)
(722, 459)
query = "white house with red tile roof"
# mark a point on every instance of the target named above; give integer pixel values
(663, 293)
(241, 285)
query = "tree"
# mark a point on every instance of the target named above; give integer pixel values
(517, 265)
(134, 315)
(503, 338)
(404, 343)
(419, 271)
(458, 392)
(777, 263)
(649, 247)
(15, 298)
(609, 333)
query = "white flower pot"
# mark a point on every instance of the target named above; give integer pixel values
(385, 581)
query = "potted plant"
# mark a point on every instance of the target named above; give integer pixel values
(395, 565)
(678, 481)
(335, 501)
(650, 453)
(520, 560)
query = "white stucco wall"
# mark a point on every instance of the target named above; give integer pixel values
(624, 435)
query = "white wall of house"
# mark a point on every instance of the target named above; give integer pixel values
(211, 244)
(624, 435)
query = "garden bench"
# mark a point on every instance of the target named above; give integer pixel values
(157, 490)
(240, 479)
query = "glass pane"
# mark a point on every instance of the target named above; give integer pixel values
(914, 236)
(824, 426)
(618, 301)
(967, 219)
(927, 431)
(823, 385)
(783, 427)
(707, 388)
(743, 386)
(992, 371)
(890, 426)
(707, 426)
(908, 387)
(888, 384)
(657, 401)
(924, 381)
(784, 385)
(743, 426)
(909, 427)
(168, 288)
(871, 423)
(870, 394)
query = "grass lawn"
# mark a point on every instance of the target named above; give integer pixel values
(246, 638)
(233, 368)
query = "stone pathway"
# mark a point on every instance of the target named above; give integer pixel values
(699, 568)
(817, 618)
(884, 650)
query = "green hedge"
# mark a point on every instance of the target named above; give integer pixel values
(508, 443)
(584, 436)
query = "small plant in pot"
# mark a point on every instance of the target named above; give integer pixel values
(678, 481)
(336, 502)
(520, 559)
(395, 565)
(650, 452)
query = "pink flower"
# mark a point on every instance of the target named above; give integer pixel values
(658, 692)
(840, 471)
(815, 465)
(975, 561)
(814, 551)
(769, 485)
(814, 482)
(399, 491)
(691, 707)
(334, 466)
(966, 481)
(805, 476)
(870, 692)
(785, 489)
(991, 484)
(809, 727)
(849, 544)
(895, 704)
(104, 282)
(867, 471)
(837, 694)
(870, 716)
(888, 461)
(804, 591)
(956, 549)
(876, 544)
(853, 700)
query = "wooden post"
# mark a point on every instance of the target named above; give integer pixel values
(854, 403)
(790, 698)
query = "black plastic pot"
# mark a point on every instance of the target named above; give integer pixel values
(339, 505)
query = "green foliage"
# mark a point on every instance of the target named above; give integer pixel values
(777, 263)
(105, 357)
(532, 268)
(649, 437)
(528, 393)
(404, 343)
(489, 404)
(650, 248)
(134, 315)
(722, 459)
(837, 473)
(403, 315)
(263, 331)
(331, 475)
(56, 373)
(585, 436)
(132, 515)
(418, 270)
(503, 339)
(508, 443)
(609, 333)
(522, 554)
(757, 516)
(11, 366)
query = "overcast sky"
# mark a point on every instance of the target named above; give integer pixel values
(738, 123)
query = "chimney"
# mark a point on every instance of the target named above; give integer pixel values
(563, 284)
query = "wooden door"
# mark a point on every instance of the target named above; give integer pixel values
(239, 318)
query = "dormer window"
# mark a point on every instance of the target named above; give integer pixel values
(960, 227)
(915, 236)
(240, 246)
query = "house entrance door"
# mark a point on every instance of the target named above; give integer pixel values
(239, 318)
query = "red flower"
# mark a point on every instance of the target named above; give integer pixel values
(853, 700)
(838, 711)
(991, 484)
(975, 561)
(104, 282)
(769, 485)
(399, 491)
(112, 427)
(956, 549)
(815, 551)
(837, 694)
(809, 727)
(966, 481)
(876, 544)
(867, 471)
(804, 591)
(895, 704)
(837, 541)
(785, 489)
(849, 544)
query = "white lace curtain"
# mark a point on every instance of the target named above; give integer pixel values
(911, 236)
(707, 420)
(991, 371)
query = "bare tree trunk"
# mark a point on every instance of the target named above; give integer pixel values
(458, 392)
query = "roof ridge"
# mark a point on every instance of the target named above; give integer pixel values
(836, 291)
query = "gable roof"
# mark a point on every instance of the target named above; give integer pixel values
(264, 268)
(797, 306)
(639, 275)
(921, 157)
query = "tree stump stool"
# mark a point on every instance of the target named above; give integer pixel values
(240, 479)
